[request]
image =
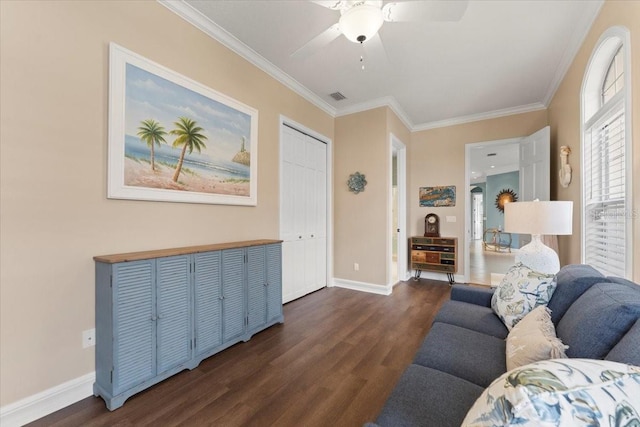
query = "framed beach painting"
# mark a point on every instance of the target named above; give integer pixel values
(173, 139)
(438, 196)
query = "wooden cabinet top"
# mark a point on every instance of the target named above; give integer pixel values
(159, 253)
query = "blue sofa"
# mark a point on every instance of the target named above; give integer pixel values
(596, 316)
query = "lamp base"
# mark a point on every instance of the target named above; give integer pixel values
(539, 257)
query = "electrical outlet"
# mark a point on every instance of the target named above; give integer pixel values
(88, 338)
(356, 266)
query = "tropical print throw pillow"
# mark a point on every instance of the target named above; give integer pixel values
(561, 392)
(520, 291)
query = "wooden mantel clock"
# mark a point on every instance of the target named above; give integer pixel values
(431, 225)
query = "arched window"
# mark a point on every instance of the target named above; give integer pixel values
(606, 156)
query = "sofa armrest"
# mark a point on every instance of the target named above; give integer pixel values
(472, 294)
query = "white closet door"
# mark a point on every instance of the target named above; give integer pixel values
(303, 225)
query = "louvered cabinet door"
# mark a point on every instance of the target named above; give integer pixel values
(134, 344)
(208, 301)
(233, 294)
(274, 282)
(256, 287)
(173, 302)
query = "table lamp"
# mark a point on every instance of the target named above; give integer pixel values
(539, 218)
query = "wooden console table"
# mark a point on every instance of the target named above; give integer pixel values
(434, 254)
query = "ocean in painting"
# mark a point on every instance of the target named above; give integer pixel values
(201, 164)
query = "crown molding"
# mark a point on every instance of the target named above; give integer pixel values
(387, 101)
(204, 24)
(536, 106)
(592, 10)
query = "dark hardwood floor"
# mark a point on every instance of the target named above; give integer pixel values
(332, 363)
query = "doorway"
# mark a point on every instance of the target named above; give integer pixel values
(528, 158)
(398, 214)
(477, 214)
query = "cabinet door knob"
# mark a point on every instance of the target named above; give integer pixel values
(312, 235)
(299, 237)
(221, 297)
(153, 318)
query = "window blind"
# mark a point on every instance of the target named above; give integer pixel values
(605, 204)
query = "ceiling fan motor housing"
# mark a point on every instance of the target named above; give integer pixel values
(361, 22)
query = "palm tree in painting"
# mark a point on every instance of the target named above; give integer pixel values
(153, 134)
(189, 137)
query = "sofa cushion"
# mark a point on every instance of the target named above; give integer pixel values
(566, 392)
(627, 350)
(472, 294)
(571, 282)
(472, 316)
(520, 291)
(597, 320)
(467, 354)
(533, 339)
(428, 397)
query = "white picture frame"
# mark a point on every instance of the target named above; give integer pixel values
(158, 117)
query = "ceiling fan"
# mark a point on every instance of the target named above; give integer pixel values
(360, 20)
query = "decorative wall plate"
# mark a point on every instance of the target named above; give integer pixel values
(505, 196)
(356, 182)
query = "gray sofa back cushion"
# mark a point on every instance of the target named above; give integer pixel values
(597, 320)
(572, 281)
(627, 350)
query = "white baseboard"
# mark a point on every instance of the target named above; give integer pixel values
(459, 278)
(46, 402)
(362, 286)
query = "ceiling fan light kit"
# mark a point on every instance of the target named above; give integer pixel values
(360, 22)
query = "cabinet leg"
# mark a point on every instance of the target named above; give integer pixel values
(416, 277)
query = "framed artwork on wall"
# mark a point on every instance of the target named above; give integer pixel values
(438, 196)
(173, 139)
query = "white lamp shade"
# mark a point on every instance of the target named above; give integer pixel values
(545, 218)
(361, 22)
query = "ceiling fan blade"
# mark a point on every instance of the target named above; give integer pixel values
(424, 11)
(331, 4)
(375, 53)
(318, 42)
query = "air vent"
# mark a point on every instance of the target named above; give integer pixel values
(337, 96)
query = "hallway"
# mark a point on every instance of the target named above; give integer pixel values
(484, 262)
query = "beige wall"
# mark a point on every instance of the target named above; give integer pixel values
(437, 157)
(564, 118)
(54, 212)
(360, 219)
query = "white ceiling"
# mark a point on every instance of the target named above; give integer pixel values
(493, 158)
(502, 57)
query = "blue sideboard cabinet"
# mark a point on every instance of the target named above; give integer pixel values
(160, 312)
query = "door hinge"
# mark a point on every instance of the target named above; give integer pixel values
(111, 280)
(111, 376)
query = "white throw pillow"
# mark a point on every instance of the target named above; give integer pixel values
(562, 392)
(533, 339)
(520, 291)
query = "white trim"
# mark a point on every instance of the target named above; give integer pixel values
(440, 277)
(536, 106)
(363, 287)
(284, 120)
(387, 101)
(395, 144)
(48, 401)
(589, 9)
(204, 24)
